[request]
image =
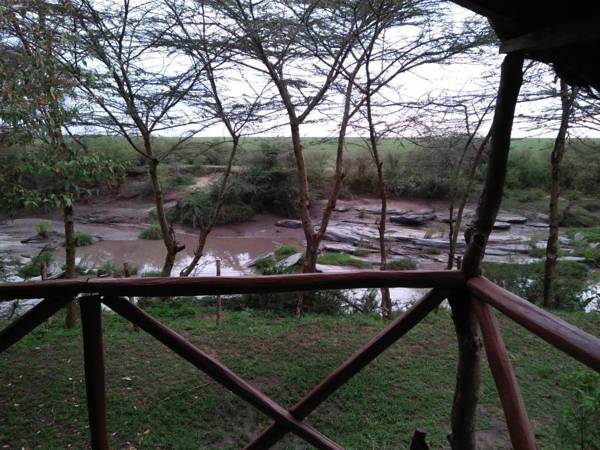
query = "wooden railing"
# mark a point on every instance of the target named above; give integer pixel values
(113, 292)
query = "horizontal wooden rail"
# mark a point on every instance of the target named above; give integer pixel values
(219, 372)
(575, 342)
(353, 365)
(176, 286)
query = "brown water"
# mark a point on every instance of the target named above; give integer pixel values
(235, 252)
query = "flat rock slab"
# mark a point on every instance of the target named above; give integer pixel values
(511, 218)
(389, 211)
(499, 225)
(290, 261)
(415, 219)
(342, 208)
(338, 247)
(540, 225)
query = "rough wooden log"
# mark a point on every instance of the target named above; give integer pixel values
(466, 393)
(575, 342)
(519, 425)
(353, 365)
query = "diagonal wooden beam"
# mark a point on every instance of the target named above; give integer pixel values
(353, 365)
(219, 372)
(519, 425)
(22, 326)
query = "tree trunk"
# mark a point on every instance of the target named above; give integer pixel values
(168, 235)
(205, 231)
(71, 314)
(567, 100)
(467, 380)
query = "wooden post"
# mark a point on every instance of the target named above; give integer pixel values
(219, 303)
(127, 274)
(467, 378)
(519, 425)
(418, 440)
(93, 353)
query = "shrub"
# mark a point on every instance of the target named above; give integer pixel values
(591, 234)
(526, 280)
(43, 228)
(196, 209)
(343, 259)
(578, 216)
(402, 264)
(182, 179)
(34, 267)
(109, 269)
(82, 239)
(151, 233)
(579, 421)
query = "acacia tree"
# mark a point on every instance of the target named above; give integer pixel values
(301, 49)
(196, 34)
(39, 103)
(138, 87)
(567, 100)
(390, 54)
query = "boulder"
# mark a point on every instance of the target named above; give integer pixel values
(499, 225)
(289, 223)
(414, 219)
(290, 261)
(511, 218)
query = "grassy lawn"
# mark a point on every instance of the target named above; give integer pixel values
(158, 401)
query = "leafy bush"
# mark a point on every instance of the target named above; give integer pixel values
(151, 233)
(82, 239)
(151, 273)
(578, 216)
(402, 264)
(526, 280)
(264, 185)
(591, 234)
(196, 209)
(43, 228)
(579, 421)
(34, 267)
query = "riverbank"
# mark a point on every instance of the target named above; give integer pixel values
(158, 401)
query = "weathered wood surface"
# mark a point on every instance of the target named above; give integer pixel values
(519, 426)
(175, 286)
(23, 325)
(575, 342)
(219, 372)
(93, 353)
(353, 365)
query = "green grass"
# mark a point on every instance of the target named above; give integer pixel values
(342, 259)
(284, 251)
(158, 401)
(402, 264)
(589, 234)
(82, 239)
(151, 233)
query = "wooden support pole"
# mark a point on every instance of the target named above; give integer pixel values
(93, 353)
(519, 425)
(353, 365)
(219, 301)
(418, 440)
(219, 372)
(467, 378)
(22, 326)
(574, 342)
